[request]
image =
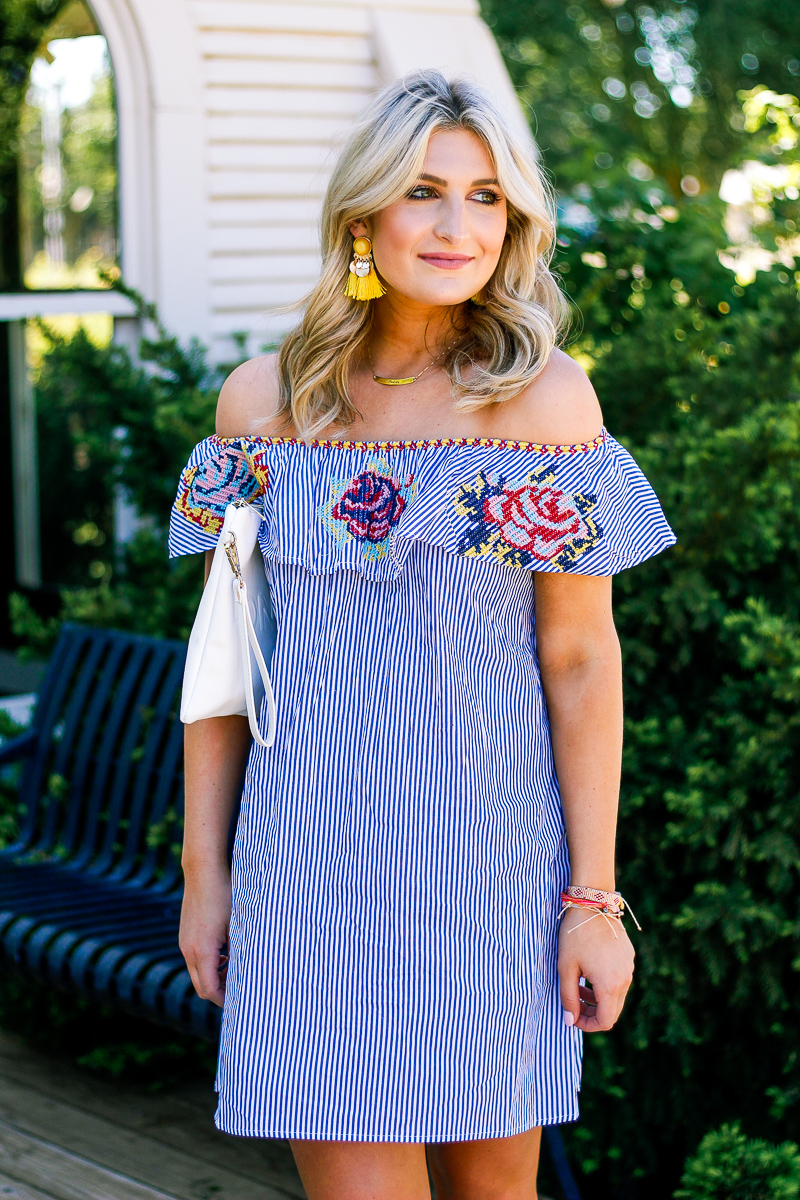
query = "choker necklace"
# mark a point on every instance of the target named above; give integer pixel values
(396, 382)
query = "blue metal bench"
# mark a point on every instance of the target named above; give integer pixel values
(90, 892)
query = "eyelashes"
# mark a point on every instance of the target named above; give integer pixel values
(424, 192)
(492, 198)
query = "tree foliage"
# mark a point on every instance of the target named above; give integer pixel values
(709, 849)
(22, 25)
(88, 155)
(729, 1166)
(602, 78)
(111, 432)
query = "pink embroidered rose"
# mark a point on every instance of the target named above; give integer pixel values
(535, 518)
(371, 504)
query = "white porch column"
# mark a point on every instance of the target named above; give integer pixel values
(25, 462)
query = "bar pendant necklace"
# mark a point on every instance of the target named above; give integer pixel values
(399, 382)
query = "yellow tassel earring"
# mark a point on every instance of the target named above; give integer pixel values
(362, 281)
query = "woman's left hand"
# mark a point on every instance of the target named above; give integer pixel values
(591, 952)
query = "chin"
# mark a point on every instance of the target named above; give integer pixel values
(446, 294)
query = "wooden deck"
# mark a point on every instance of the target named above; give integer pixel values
(67, 1135)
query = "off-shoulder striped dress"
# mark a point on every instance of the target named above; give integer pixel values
(400, 851)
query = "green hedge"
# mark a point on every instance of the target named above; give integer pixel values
(729, 1166)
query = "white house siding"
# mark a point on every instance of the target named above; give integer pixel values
(281, 85)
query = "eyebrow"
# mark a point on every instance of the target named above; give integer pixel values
(443, 182)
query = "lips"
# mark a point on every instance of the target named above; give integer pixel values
(447, 262)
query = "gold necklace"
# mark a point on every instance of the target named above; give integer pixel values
(397, 382)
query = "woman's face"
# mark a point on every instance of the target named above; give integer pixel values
(441, 242)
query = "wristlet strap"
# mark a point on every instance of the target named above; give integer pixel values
(248, 641)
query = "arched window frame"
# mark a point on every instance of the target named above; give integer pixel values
(157, 69)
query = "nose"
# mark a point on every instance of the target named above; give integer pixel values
(452, 226)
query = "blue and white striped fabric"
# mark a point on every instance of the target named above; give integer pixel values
(400, 852)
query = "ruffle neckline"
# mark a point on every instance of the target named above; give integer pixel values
(365, 506)
(426, 444)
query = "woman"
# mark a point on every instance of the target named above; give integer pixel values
(433, 471)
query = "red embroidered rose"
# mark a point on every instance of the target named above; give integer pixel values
(371, 504)
(535, 518)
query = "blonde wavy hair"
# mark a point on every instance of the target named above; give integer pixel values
(502, 344)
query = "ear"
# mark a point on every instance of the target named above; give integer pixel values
(359, 229)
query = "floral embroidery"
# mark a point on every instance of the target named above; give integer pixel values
(207, 489)
(258, 465)
(367, 507)
(525, 522)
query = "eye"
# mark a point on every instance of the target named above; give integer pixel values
(487, 196)
(422, 192)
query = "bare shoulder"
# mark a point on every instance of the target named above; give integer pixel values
(249, 399)
(560, 406)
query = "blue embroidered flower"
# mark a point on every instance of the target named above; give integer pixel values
(367, 507)
(207, 489)
(525, 522)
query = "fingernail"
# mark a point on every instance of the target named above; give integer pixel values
(568, 1017)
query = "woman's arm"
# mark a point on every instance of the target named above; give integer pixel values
(216, 750)
(215, 753)
(579, 657)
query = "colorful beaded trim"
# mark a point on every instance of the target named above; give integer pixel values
(494, 443)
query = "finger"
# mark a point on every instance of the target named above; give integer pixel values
(623, 996)
(570, 994)
(207, 977)
(212, 981)
(604, 1016)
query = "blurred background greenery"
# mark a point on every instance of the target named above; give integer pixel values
(671, 132)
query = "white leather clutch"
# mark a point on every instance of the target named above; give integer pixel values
(234, 628)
